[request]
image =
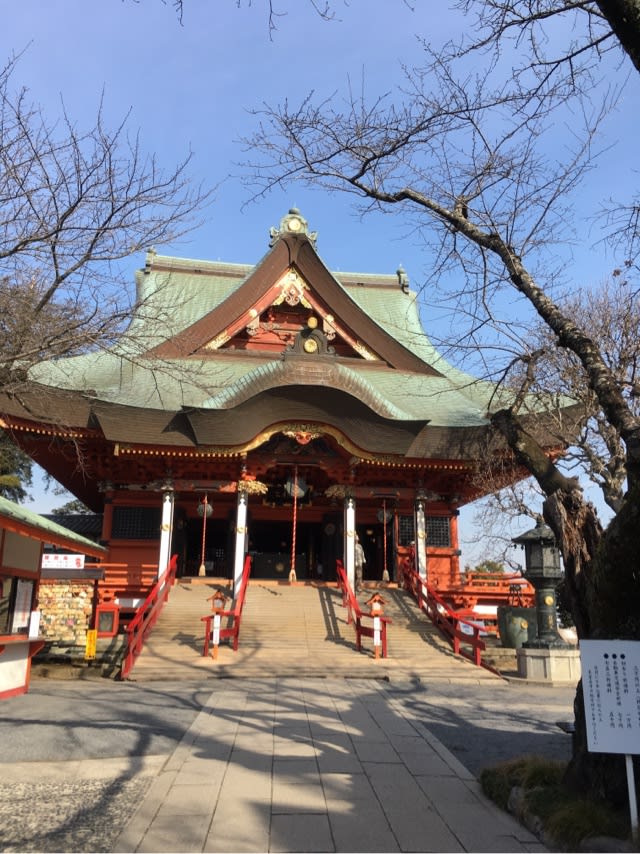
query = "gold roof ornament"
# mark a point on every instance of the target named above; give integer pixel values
(292, 223)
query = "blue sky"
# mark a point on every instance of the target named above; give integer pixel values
(193, 86)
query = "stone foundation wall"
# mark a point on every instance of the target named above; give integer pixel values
(65, 611)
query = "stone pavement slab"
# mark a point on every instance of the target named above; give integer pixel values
(267, 764)
(333, 766)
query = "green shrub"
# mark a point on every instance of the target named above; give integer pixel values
(545, 800)
(528, 772)
(578, 819)
(567, 818)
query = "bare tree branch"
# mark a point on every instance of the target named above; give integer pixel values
(72, 204)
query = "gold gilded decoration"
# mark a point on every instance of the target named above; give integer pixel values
(548, 600)
(241, 529)
(360, 456)
(218, 341)
(292, 291)
(338, 490)
(421, 535)
(302, 437)
(252, 487)
(363, 351)
(203, 451)
(44, 430)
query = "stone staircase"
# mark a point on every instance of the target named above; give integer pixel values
(295, 631)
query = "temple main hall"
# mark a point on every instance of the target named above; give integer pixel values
(279, 410)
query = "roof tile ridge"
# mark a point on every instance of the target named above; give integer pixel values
(161, 262)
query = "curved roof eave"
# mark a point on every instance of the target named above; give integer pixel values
(302, 372)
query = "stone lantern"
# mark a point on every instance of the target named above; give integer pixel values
(543, 571)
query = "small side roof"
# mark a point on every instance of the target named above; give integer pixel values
(18, 519)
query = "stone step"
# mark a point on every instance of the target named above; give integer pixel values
(296, 630)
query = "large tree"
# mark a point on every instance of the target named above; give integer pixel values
(594, 450)
(468, 151)
(611, 313)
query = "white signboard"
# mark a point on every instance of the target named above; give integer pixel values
(64, 561)
(611, 688)
(22, 607)
(34, 625)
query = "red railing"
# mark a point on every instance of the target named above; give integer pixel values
(235, 614)
(146, 616)
(490, 588)
(355, 614)
(445, 619)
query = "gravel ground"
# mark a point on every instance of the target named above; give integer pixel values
(67, 815)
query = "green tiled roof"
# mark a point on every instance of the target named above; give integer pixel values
(173, 294)
(178, 294)
(45, 528)
(222, 383)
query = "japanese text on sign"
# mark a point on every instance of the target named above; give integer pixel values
(611, 688)
(62, 561)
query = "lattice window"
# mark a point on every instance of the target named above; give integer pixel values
(438, 531)
(405, 530)
(136, 523)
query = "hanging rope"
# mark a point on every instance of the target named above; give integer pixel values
(384, 535)
(204, 507)
(295, 519)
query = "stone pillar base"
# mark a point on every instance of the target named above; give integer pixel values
(549, 665)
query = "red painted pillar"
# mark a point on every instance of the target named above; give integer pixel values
(455, 558)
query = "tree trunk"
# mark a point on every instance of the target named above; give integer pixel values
(603, 579)
(623, 17)
(578, 533)
(602, 573)
(612, 593)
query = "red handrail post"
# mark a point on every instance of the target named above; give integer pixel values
(146, 616)
(445, 619)
(207, 633)
(234, 613)
(355, 614)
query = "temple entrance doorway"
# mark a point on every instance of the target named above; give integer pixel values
(379, 550)
(218, 547)
(270, 545)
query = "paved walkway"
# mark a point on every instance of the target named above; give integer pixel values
(262, 765)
